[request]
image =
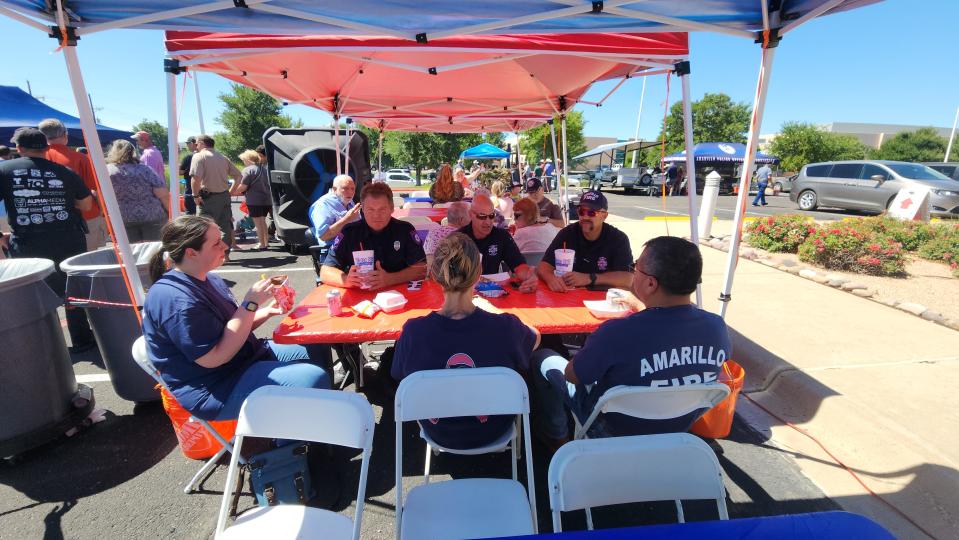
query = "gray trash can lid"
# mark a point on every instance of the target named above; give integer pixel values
(103, 262)
(17, 272)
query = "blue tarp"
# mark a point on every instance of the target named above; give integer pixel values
(20, 109)
(720, 151)
(484, 151)
(408, 18)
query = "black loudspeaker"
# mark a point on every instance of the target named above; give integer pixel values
(302, 164)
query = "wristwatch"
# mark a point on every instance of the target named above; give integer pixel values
(251, 306)
(592, 279)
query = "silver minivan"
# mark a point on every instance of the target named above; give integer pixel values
(871, 186)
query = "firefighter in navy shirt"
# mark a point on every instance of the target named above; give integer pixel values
(496, 245)
(396, 249)
(603, 256)
(43, 201)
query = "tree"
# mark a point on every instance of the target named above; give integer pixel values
(799, 143)
(716, 118)
(535, 143)
(495, 138)
(423, 150)
(158, 133)
(921, 145)
(246, 115)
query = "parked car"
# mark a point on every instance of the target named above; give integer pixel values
(871, 186)
(401, 170)
(399, 179)
(950, 169)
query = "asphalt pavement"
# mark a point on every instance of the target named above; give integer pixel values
(123, 477)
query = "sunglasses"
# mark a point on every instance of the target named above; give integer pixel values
(517, 215)
(589, 212)
(484, 217)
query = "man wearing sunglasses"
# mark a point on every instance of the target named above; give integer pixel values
(496, 245)
(603, 255)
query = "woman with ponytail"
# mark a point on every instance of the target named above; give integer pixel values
(463, 334)
(201, 339)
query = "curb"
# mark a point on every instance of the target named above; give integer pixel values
(834, 281)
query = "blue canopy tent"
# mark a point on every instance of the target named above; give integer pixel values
(720, 151)
(766, 22)
(484, 151)
(20, 109)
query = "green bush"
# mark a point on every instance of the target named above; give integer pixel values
(943, 246)
(782, 233)
(911, 234)
(852, 250)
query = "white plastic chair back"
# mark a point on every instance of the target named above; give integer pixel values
(641, 468)
(447, 393)
(420, 194)
(442, 205)
(656, 403)
(417, 204)
(305, 414)
(142, 358)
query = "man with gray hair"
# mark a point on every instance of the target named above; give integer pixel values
(58, 152)
(457, 217)
(334, 210)
(149, 155)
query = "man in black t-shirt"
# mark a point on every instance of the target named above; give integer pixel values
(185, 173)
(396, 247)
(603, 256)
(43, 201)
(496, 245)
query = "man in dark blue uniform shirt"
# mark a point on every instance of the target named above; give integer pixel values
(496, 245)
(43, 201)
(396, 248)
(603, 256)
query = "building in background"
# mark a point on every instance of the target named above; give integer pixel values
(871, 135)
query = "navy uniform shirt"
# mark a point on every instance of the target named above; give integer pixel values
(40, 196)
(396, 247)
(608, 253)
(498, 246)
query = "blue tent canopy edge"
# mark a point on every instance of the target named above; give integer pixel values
(484, 151)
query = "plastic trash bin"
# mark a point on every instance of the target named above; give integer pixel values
(96, 276)
(37, 385)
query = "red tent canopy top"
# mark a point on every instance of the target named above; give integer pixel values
(456, 84)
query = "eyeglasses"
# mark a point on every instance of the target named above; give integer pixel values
(484, 217)
(517, 215)
(646, 274)
(589, 212)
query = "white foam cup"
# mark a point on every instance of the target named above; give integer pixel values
(564, 261)
(364, 262)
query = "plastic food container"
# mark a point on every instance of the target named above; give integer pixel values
(489, 289)
(603, 309)
(390, 301)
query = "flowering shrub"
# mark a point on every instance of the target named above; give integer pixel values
(943, 246)
(782, 233)
(841, 247)
(911, 234)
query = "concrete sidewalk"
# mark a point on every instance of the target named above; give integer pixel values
(873, 384)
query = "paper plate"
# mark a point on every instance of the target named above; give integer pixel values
(601, 309)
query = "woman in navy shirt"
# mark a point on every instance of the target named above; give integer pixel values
(461, 336)
(202, 341)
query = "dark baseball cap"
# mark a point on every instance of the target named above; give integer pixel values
(594, 200)
(29, 138)
(515, 183)
(533, 184)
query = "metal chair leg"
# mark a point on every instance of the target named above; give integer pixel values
(209, 466)
(426, 470)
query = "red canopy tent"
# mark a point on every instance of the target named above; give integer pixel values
(455, 84)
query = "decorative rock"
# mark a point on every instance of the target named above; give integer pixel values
(836, 282)
(748, 253)
(794, 270)
(865, 293)
(891, 302)
(951, 323)
(933, 316)
(911, 307)
(715, 243)
(851, 286)
(787, 262)
(819, 278)
(808, 273)
(836, 277)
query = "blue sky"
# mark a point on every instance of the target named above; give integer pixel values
(888, 63)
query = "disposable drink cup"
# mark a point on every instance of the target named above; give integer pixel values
(564, 261)
(364, 263)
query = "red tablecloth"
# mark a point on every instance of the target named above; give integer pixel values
(435, 214)
(550, 312)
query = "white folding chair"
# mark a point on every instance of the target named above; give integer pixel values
(417, 204)
(143, 360)
(442, 205)
(303, 414)
(419, 194)
(473, 507)
(654, 403)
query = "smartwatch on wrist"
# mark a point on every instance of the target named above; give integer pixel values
(251, 306)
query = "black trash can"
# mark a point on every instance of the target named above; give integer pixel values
(37, 385)
(94, 280)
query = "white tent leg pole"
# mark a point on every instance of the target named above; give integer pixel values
(563, 203)
(199, 107)
(762, 86)
(336, 143)
(564, 193)
(518, 155)
(639, 118)
(109, 197)
(379, 157)
(952, 135)
(683, 69)
(173, 148)
(349, 137)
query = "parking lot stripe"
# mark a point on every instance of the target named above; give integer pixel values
(93, 377)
